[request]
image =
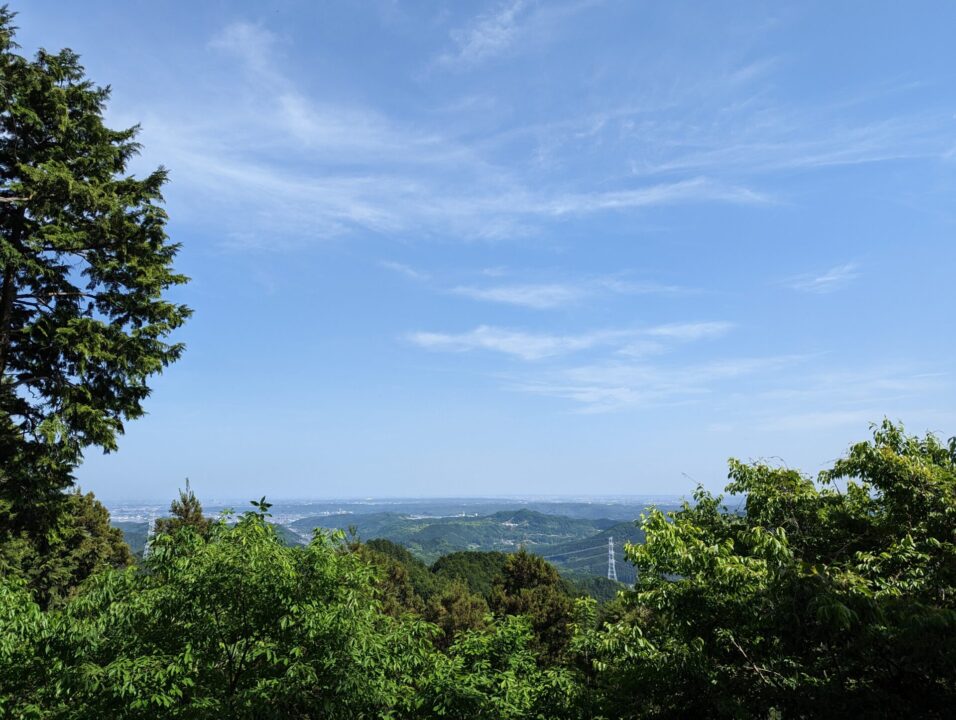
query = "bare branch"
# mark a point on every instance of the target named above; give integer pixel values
(762, 672)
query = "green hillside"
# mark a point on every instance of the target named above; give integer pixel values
(478, 571)
(430, 538)
(588, 556)
(134, 533)
(287, 536)
(371, 525)
(575, 545)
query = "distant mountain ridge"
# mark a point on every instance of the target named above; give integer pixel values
(574, 540)
(431, 537)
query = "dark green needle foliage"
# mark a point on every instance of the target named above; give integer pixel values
(531, 587)
(85, 267)
(456, 609)
(80, 543)
(185, 511)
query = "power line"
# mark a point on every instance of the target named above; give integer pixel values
(586, 558)
(573, 552)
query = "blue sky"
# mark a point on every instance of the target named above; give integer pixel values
(515, 247)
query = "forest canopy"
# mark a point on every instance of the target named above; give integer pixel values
(803, 597)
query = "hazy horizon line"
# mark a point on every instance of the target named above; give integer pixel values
(366, 499)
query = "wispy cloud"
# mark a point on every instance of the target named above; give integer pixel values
(251, 43)
(538, 346)
(655, 340)
(625, 372)
(608, 386)
(690, 331)
(403, 269)
(699, 189)
(540, 297)
(270, 161)
(520, 344)
(729, 125)
(489, 34)
(835, 398)
(827, 282)
(282, 164)
(869, 385)
(773, 392)
(777, 144)
(563, 292)
(550, 295)
(632, 287)
(510, 24)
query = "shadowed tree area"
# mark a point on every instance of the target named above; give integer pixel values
(80, 543)
(833, 597)
(531, 587)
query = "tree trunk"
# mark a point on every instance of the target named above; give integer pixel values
(7, 295)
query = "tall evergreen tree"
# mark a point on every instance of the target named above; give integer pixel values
(186, 511)
(529, 585)
(53, 564)
(85, 266)
(455, 610)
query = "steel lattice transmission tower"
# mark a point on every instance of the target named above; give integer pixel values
(611, 564)
(150, 534)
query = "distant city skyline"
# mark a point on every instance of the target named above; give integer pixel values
(530, 248)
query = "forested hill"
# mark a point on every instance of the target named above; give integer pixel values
(432, 537)
(578, 546)
(589, 556)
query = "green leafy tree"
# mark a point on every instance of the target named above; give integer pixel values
(393, 580)
(833, 598)
(582, 584)
(493, 674)
(237, 626)
(24, 667)
(85, 265)
(242, 626)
